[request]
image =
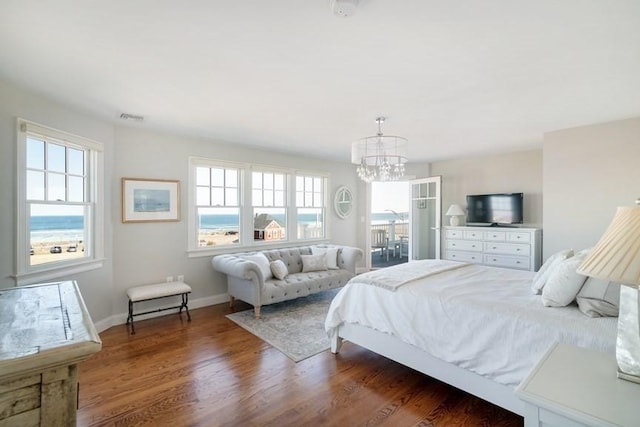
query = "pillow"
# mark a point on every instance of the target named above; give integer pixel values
(314, 263)
(263, 264)
(279, 269)
(332, 256)
(564, 283)
(599, 298)
(543, 274)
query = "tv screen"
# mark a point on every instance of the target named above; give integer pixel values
(494, 209)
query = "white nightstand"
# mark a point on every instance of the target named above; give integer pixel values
(573, 386)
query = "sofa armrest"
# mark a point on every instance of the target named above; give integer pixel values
(349, 257)
(241, 268)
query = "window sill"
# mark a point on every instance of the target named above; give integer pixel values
(198, 253)
(28, 278)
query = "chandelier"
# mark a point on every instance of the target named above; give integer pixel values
(380, 157)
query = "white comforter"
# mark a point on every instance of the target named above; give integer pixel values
(480, 318)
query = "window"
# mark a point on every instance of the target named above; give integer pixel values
(59, 202)
(310, 206)
(269, 206)
(218, 206)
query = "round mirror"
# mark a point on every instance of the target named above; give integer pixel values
(343, 202)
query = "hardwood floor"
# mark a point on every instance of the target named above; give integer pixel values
(210, 372)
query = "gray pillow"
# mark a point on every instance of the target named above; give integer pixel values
(314, 262)
(599, 298)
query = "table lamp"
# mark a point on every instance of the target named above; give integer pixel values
(454, 212)
(616, 257)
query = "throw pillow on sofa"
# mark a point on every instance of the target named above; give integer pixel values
(279, 269)
(314, 263)
(332, 256)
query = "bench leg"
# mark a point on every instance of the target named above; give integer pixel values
(232, 302)
(130, 318)
(185, 302)
(256, 311)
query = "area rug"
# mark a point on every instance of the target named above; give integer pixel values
(295, 327)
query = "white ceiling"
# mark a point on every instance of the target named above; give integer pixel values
(456, 77)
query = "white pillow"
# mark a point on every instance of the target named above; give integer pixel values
(279, 269)
(332, 256)
(314, 263)
(599, 298)
(563, 283)
(545, 271)
(263, 264)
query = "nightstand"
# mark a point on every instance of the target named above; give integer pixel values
(573, 386)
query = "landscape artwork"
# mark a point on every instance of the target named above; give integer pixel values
(147, 200)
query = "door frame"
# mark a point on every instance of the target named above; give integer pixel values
(438, 219)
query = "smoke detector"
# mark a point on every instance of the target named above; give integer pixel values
(343, 8)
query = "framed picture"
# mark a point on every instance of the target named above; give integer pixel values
(147, 200)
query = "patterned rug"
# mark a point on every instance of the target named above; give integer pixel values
(295, 327)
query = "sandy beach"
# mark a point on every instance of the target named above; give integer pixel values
(42, 251)
(217, 237)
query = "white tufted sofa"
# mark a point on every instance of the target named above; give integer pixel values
(247, 282)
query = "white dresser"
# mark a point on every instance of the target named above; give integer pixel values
(519, 248)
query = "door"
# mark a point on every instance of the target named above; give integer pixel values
(424, 219)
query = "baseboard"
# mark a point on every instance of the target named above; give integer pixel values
(121, 318)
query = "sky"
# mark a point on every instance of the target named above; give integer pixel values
(393, 195)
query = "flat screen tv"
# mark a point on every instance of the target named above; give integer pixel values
(494, 209)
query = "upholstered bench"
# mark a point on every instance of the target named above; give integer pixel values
(160, 290)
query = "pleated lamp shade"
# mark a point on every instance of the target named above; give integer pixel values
(616, 257)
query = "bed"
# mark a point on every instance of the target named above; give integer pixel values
(479, 328)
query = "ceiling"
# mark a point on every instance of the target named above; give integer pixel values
(456, 78)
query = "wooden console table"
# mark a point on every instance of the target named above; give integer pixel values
(45, 330)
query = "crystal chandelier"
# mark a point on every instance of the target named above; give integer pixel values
(380, 157)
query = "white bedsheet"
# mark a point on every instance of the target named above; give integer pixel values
(480, 318)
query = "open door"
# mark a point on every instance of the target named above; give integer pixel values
(425, 218)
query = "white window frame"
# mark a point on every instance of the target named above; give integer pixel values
(323, 206)
(247, 242)
(94, 196)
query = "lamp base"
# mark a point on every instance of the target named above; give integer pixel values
(454, 221)
(628, 377)
(628, 339)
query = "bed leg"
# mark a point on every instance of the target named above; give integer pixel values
(336, 343)
(256, 311)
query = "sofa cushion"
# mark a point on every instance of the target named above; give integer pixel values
(302, 284)
(332, 256)
(279, 269)
(314, 262)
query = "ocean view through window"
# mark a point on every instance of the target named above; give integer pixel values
(241, 204)
(58, 199)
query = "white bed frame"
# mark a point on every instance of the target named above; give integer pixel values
(415, 358)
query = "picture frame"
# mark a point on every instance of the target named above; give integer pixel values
(150, 200)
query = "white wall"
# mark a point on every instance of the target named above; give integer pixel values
(148, 252)
(140, 253)
(588, 171)
(97, 285)
(517, 172)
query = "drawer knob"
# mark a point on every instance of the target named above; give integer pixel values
(518, 249)
(494, 247)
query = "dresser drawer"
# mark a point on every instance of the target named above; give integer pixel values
(464, 256)
(519, 237)
(464, 245)
(495, 236)
(453, 234)
(522, 263)
(472, 235)
(507, 249)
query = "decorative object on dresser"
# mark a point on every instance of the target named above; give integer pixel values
(45, 331)
(496, 246)
(454, 212)
(616, 257)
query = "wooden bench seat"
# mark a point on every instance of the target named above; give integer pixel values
(159, 290)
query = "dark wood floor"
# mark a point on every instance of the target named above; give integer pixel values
(210, 372)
